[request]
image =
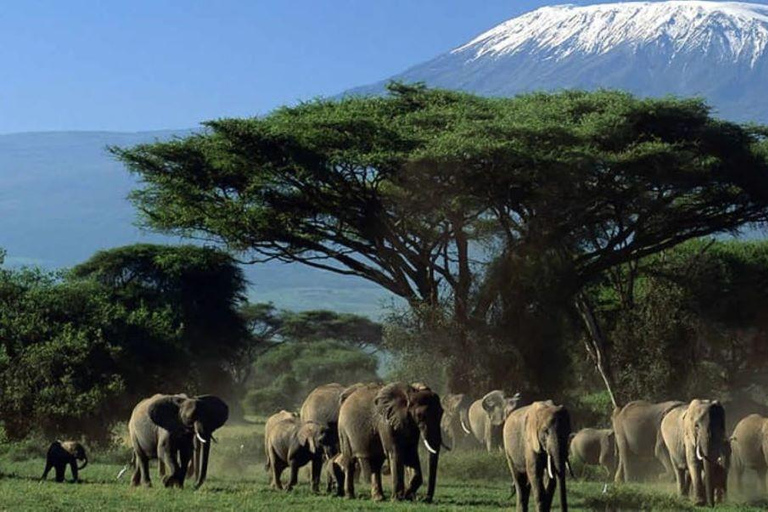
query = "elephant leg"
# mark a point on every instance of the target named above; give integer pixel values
(349, 477)
(680, 478)
(161, 469)
(375, 476)
(522, 490)
(536, 479)
(48, 467)
(143, 464)
(317, 467)
(397, 472)
(73, 469)
(662, 454)
(277, 466)
(60, 471)
(761, 483)
(172, 471)
(416, 480)
(185, 456)
(294, 478)
(694, 473)
(338, 475)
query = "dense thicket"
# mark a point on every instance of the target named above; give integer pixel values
(79, 349)
(491, 217)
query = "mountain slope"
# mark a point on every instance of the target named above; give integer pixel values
(63, 197)
(716, 50)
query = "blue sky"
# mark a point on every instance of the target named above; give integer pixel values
(154, 64)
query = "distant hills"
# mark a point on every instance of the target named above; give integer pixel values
(63, 197)
(716, 50)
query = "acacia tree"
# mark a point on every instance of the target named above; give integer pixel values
(397, 189)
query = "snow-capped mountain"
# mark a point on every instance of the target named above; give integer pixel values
(717, 50)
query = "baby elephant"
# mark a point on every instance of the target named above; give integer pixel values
(595, 447)
(290, 443)
(61, 454)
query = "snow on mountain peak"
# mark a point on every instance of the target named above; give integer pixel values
(730, 31)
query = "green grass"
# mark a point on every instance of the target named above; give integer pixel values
(237, 481)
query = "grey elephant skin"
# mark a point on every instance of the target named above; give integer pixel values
(694, 436)
(292, 443)
(749, 444)
(637, 427)
(487, 415)
(322, 406)
(455, 422)
(376, 423)
(174, 428)
(595, 447)
(62, 454)
(536, 445)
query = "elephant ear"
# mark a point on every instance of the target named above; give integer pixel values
(212, 410)
(493, 400)
(307, 435)
(391, 404)
(164, 412)
(532, 427)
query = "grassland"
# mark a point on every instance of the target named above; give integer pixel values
(237, 481)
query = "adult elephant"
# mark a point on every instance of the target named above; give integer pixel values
(638, 438)
(595, 447)
(694, 436)
(487, 415)
(376, 423)
(455, 422)
(536, 443)
(322, 407)
(165, 427)
(749, 445)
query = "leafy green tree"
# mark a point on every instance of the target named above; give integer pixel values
(396, 189)
(283, 376)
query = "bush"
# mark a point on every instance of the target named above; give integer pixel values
(265, 401)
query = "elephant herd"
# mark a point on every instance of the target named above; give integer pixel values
(356, 430)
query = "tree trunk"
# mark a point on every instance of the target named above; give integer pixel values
(595, 344)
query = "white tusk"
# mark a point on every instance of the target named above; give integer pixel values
(698, 453)
(122, 472)
(431, 450)
(549, 467)
(200, 437)
(464, 427)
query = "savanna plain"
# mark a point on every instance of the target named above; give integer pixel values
(468, 480)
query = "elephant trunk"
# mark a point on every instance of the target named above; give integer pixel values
(433, 440)
(563, 493)
(203, 464)
(85, 463)
(432, 479)
(709, 487)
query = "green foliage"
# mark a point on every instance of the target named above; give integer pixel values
(284, 375)
(78, 350)
(694, 326)
(394, 189)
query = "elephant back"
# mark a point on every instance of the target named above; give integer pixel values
(322, 404)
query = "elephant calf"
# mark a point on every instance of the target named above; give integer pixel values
(289, 442)
(595, 447)
(62, 454)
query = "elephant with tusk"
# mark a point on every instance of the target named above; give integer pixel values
(487, 415)
(694, 437)
(176, 429)
(378, 423)
(536, 447)
(455, 422)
